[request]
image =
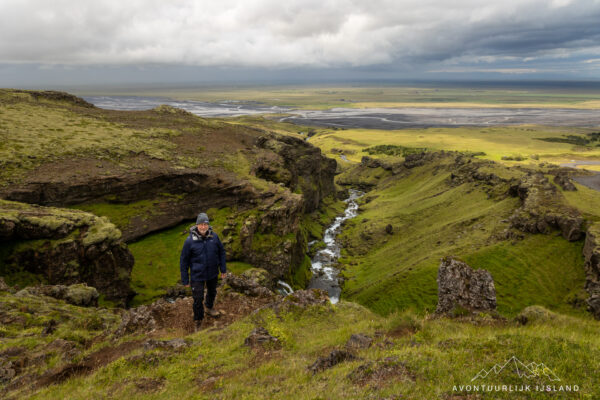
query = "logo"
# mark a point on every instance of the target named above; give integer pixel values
(533, 377)
(528, 371)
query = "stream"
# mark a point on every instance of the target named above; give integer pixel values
(325, 275)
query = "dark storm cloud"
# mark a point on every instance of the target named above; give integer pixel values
(406, 35)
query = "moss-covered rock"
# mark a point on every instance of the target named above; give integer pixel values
(64, 247)
(591, 253)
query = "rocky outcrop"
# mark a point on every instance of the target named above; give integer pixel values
(334, 358)
(144, 318)
(254, 282)
(54, 95)
(78, 294)
(359, 341)
(591, 253)
(565, 182)
(301, 300)
(298, 165)
(65, 247)
(459, 286)
(260, 337)
(277, 177)
(543, 209)
(171, 196)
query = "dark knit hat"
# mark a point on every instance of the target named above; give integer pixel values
(202, 219)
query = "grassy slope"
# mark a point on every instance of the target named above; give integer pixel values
(432, 220)
(430, 357)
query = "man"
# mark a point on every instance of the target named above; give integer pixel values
(202, 255)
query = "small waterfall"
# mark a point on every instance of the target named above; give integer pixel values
(283, 288)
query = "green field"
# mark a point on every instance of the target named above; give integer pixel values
(495, 142)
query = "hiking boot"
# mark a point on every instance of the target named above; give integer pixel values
(212, 312)
(197, 325)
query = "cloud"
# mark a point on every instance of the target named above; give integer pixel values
(309, 33)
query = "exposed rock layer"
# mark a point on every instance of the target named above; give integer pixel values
(459, 286)
(65, 247)
(591, 253)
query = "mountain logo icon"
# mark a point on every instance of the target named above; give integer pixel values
(529, 371)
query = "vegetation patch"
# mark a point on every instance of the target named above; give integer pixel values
(393, 150)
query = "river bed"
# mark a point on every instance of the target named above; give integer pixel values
(366, 118)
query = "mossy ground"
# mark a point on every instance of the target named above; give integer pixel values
(427, 358)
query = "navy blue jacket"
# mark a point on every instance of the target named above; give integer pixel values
(201, 257)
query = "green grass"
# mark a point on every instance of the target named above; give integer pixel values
(122, 214)
(32, 133)
(432, 357)
(585, 200)
(432, 220)
(157, 262)
(495, 142)
(538, 270)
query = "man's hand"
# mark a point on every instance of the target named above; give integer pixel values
(188, 285)
(223, 275)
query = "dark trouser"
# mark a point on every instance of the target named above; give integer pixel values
(198, 294)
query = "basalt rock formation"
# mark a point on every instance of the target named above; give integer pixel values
(591, 253)
(65, 247)
(459, 286)
(268, 180)
(542, 209)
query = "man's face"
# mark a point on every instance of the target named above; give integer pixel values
(202, 228)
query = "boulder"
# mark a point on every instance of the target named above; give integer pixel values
(359, 341)
(7, 370)
(370, 162)
(534, 314)
(260, 337)
(255, 282)
(78, 294)
(459, 286)
(565, 182)
(300, 300)
(334, 358)
(3, 286)
(173, 344)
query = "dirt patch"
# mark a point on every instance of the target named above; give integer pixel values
(93, 361)
(149, 385)
(401, 331)
(214, 382)
(232, 307)
(381, 373)
(177, 318)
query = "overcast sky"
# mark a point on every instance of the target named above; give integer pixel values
(45, 42)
